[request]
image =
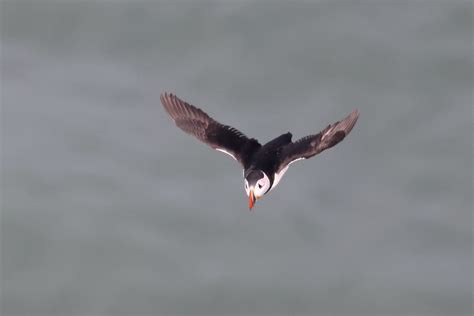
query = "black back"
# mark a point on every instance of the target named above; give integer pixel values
(270, 158)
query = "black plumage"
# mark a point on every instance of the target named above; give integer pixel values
(271, 159)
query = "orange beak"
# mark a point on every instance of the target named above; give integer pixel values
(251, 200)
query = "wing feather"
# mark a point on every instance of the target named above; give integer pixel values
(312, 145)
(196, 122)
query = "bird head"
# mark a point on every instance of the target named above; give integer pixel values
(257, 184)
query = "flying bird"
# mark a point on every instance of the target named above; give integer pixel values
(264, 165)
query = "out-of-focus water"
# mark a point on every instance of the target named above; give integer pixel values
(109, 209)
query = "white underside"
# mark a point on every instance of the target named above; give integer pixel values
(226, 152)
(277, 177)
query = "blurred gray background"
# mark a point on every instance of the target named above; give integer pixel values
(109, 209)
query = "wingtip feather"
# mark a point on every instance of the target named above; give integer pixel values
(348, 123)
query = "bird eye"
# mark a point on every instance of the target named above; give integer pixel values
(260, 186)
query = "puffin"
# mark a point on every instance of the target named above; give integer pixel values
(263, 165)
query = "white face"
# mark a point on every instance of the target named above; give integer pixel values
(261, 187)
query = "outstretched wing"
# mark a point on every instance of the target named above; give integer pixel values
(311, 145)
(221, 137)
